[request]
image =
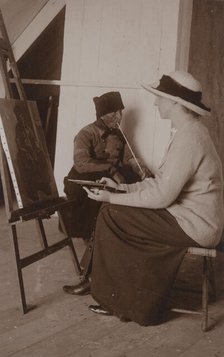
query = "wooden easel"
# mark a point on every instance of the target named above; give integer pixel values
(35, 213)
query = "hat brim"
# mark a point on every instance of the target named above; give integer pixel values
(191, 106)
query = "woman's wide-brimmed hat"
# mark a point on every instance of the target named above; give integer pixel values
(181, 87)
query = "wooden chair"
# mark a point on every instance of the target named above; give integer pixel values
(208, 279)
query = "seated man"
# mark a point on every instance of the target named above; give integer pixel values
(100, 150)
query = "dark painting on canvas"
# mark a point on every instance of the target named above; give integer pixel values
(26, 152)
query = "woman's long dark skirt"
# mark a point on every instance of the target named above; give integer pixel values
(137, 254)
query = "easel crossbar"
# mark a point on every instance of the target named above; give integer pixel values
(24, 262)
(26, 214)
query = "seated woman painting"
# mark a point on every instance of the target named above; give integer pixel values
(142, 236)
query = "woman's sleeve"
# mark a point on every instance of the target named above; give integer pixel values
(162, 190)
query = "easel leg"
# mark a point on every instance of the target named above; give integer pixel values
(19, 269)
(41, 230)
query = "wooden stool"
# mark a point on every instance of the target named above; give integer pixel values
(207, 278)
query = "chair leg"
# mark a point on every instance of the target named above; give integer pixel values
(211, 279)
(205, 295)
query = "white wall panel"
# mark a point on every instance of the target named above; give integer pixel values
(169, 13)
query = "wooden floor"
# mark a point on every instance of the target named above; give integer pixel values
(61, 325)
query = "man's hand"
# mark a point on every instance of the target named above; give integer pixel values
(145, 173)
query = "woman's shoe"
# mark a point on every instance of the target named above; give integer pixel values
(99, 310)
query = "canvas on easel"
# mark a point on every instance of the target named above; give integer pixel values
(26, 153)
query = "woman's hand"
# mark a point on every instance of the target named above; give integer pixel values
(108, 182)
(97, 194)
